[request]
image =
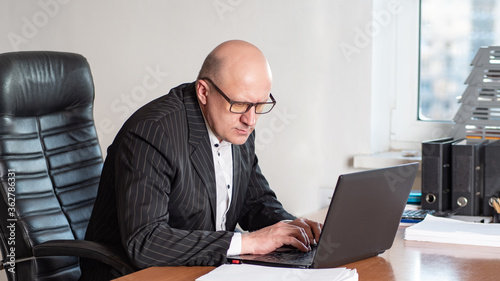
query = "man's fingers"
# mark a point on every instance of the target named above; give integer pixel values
(316, 228)
(272, 237)
(312, 228)
(295, 236)
(297, 244)
(293, 231)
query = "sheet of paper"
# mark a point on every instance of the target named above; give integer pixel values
(445, 230)
(246, 272)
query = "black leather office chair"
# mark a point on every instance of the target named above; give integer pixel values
(50, 164)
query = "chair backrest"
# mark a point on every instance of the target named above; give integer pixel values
(50, 159)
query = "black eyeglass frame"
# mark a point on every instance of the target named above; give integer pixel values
(249, 104)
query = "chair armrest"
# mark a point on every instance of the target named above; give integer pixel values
(85, 249)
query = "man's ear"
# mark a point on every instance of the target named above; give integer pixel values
(202, 91)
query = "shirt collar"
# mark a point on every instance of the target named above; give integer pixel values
(214, 141)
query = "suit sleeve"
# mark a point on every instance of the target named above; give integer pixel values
(144, 173)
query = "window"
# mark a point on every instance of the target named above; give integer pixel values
(451, 32)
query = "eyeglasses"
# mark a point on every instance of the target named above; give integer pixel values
(241, 107)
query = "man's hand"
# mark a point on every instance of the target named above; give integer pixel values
(300, 233)
(312, 229)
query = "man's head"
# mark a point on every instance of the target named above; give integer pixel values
(240, 71)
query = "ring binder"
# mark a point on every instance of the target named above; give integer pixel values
(491, 176)
(467, 178)
(436, 174)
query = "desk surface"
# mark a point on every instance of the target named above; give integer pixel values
(406, 260)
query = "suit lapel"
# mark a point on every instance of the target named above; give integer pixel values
(236, 171)
(201, 154)
(231, 217)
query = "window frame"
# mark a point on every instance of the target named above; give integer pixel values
(407, 131)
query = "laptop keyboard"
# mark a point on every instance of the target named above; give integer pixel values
(416, 214)
(289, 256)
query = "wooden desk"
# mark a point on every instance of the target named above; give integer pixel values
(406, 260)
(180, 273)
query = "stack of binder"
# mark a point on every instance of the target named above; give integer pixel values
(463, 175)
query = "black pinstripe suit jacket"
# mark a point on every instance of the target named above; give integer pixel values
(157, 193)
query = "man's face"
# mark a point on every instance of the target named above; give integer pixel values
(226, 125)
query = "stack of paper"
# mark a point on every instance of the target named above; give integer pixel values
(445, 230)
(244, 272)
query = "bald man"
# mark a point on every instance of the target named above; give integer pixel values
(182, 173)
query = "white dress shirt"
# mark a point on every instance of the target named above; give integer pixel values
(223, 162)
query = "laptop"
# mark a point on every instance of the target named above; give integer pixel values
(362, 220)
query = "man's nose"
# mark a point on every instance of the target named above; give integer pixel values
(250, 117)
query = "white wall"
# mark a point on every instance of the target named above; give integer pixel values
(138, 50)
